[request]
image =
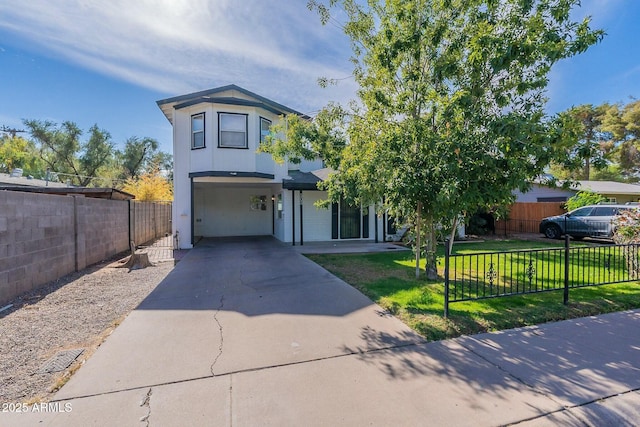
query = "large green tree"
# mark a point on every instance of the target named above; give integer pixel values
(623, 124)
(94, 162)
(142, 156)
(18, 152)
(603, 143)
(63, 152)
(450, 111)
(590, 145)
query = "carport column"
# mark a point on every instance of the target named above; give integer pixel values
(191, 213)
(301, 237)
(376, 220)
(293, 217)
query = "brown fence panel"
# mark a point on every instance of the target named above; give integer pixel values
(525, 217)
(535, 211)
(150, 220)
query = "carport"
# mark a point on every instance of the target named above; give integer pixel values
(232, 204)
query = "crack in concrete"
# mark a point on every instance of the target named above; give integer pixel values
(146, 402)
(220, 347)
(245, 370)
(567, 409)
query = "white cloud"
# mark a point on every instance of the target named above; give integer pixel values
(276, 48)
(600, 11)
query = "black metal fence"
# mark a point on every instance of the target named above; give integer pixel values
(497, 274)
(511, 226)
(575, 226)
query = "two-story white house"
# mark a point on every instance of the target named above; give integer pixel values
(224, 187)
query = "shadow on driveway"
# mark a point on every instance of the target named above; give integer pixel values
(254, 276)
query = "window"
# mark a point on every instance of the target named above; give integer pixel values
(582, 212)
(603, 211)
(258, 203)
(265, 129)
(551, 199)
(233, 130)
(197, 131)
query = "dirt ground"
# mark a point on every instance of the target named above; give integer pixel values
(77, 311)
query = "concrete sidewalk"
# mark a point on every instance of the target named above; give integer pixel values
(248, 333)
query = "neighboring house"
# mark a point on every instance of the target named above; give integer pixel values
(16, 182)
(15, 179)
(223, 187)
(615, 192)
(90, 192)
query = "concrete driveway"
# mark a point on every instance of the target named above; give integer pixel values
(249, 332)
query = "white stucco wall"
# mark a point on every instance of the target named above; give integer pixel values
(181, 215)
(317, 221)
(280, 217)
(214, 158)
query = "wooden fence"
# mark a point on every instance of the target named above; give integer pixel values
(149, 220)
(525, 217)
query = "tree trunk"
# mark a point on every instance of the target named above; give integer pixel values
(452, 237)
(587, 168)
(136, 261)
(431, 265)
(418, 247)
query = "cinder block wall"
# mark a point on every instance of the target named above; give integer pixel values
(103, 229)
(36, 240)
(44, 237)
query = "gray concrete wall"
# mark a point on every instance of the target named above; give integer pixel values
(37, 242)
(102, 229)
(44, 237)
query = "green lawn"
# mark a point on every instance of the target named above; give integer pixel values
(389, 279)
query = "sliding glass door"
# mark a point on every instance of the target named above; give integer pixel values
(349, 222)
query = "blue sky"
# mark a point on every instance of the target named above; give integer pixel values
(108, 62)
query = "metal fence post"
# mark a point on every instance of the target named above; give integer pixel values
(566, 269)
(446, 278)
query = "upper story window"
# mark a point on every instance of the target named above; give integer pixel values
(265, 129)
(197, 131)
(232, 130)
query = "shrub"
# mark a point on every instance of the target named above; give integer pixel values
(584, 198)
(627, 231)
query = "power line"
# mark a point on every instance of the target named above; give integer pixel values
(11, 131)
